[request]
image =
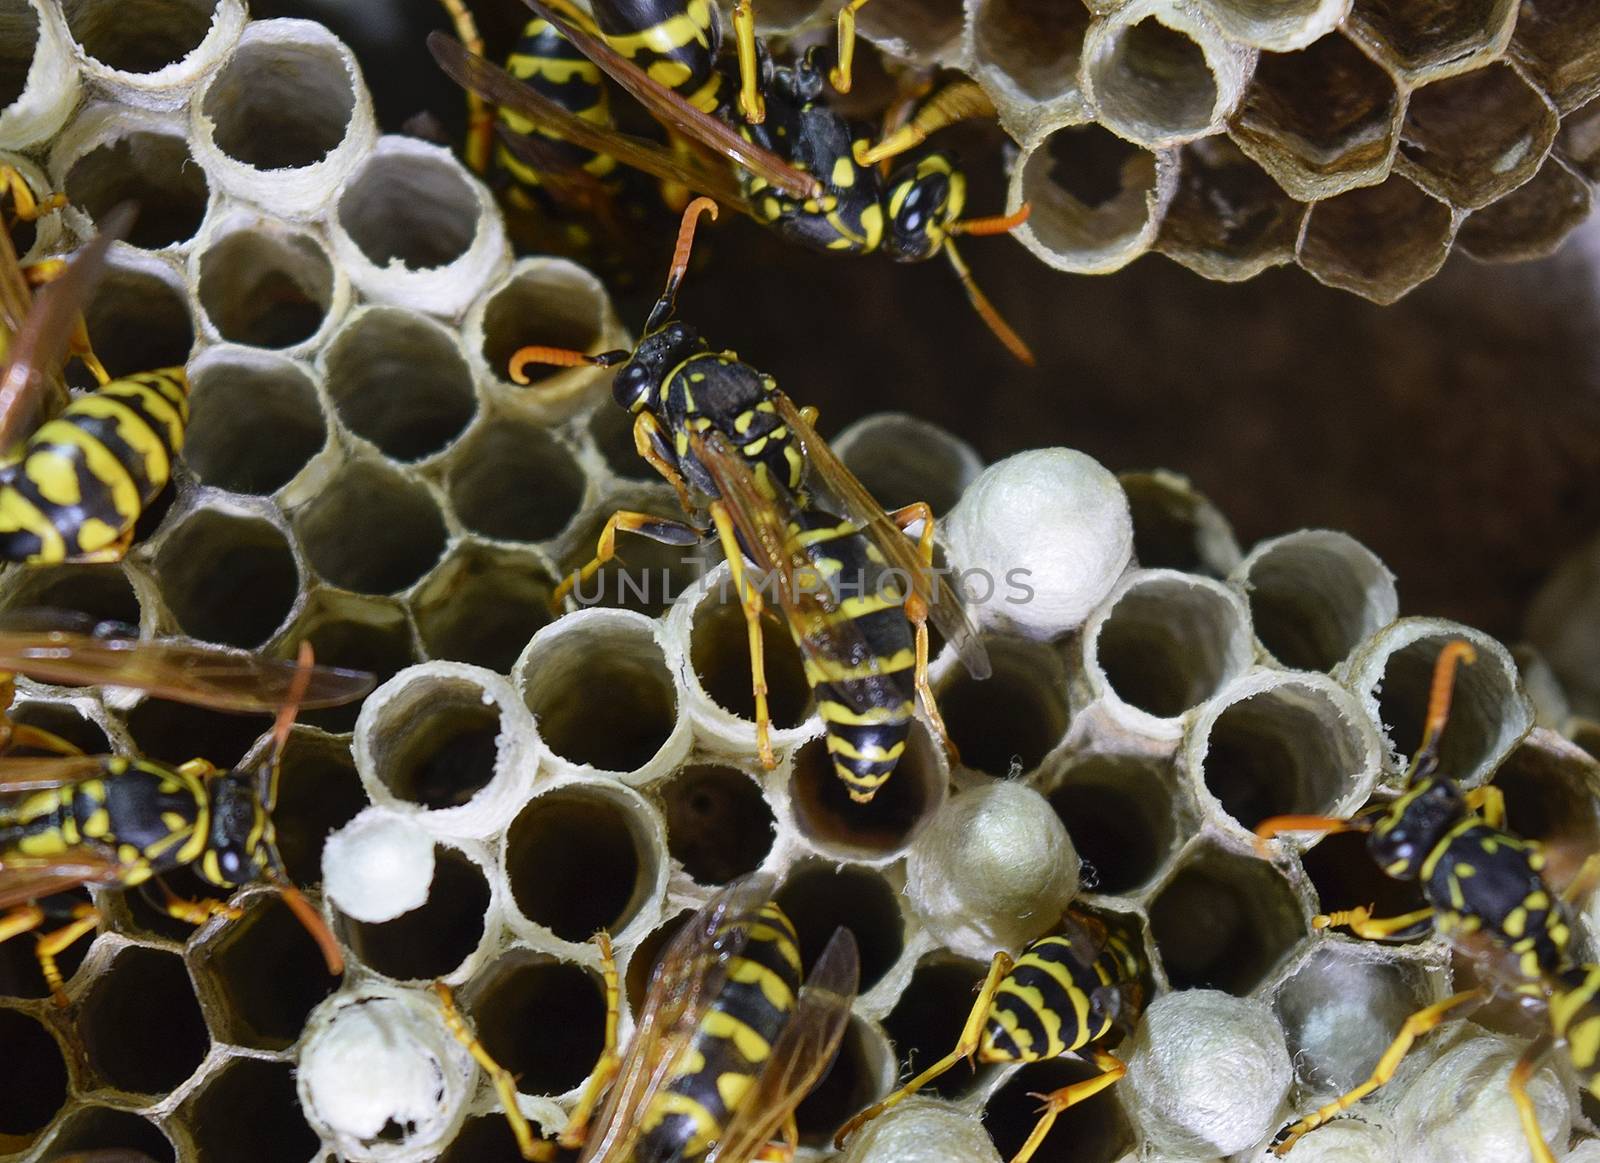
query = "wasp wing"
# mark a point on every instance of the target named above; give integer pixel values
(41, 773)
(206, 676)
(688, 978)
(494, 84)
(32, 878)
(811, 608)
(832, 479)
(675, 113)
(800, 1056)
(33, 354)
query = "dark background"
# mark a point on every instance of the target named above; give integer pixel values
(1457, 432)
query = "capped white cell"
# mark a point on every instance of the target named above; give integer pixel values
(378, 866)
(1048, 533)
(921, 1130)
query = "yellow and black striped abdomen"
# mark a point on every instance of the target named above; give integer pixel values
(1051, 1003)
(1575, 1016)
(867, 703)
(674, 41)
(82, 480)
(687, 1116)
(549, 64)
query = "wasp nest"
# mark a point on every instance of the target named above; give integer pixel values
(360, 474)
(1361, 140)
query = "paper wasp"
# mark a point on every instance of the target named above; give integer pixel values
(725, 1046)
(75, 486)
(1066, 993)
(855, 592)
(69, 820)
(804, 170)
(1484, 888)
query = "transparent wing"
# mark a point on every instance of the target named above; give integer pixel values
(38, 341)
(1086, 935)
(494, 84)
(207, 676)
(29, 773)
(676, 113)
(801, 1055)
(811, 610)
(687, 979)
(829, 474)
(31, 878)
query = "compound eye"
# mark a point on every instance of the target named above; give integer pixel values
(629, 386)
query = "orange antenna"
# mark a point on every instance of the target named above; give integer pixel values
(665, 305)
(308, 916)
(997, 224)
(557, 357)
(986, 310)
(1455, 651)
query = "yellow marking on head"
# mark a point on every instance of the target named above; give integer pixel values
(697, 377)
(872, 226)
(128, 854)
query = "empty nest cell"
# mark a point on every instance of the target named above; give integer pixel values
(138, 36)
(68, 722)
(356, 632)
(398, 379)
(542, 1019)
(1159, 74)
(1421, 39)
(514, 481)
(1093, 1131)
(138, 319)
(416, 210)
(926, 28)
(1033, 44)
(36, 1086)
(1177, 527)
(580, 859)
(435, 741)
(1473, 137)
(1009, 722)
(1096, 198)
(432, 941)
(719, 825)
(19, 41)
(318, 792)
(227, 577)
(280, 105)
(140, 1023)
(174, 732)
(600, 690)
(1378, 242)
(235, 396)
(248, 1110)
(902, 460)
(264, 974)
(1531, 221)
(719, 654)
(103, 592)
(100, 1128)
(838, 826)
(547, 301)
(266, 285)
(371, 530)
(482, 605)
(1125, 816)
(1321, 120)
(1224, 921)
(1558, 42)
(155, 171)
(1279, 25)
(1229, 219)
(1315, 596)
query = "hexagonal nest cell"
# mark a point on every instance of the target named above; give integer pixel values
(361, 474)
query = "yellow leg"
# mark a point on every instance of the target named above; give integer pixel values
(841, 74)
(1362, 923)
(20, 920)
(646, 430)
(480, 116)
(201, 769)
(1583, 882)
(1415, 1026)
(39, 739)
(51, 945)
(661, 529)
(956, 102)
(78, 345)
(917, 611)
(966, 1047)
(1490, 803)
(782, 1152)
(1520, 1073)
(25, 207)
(1057, 1101)
(577, 1128)
(750, 600)
(198, 912)
(744, 31)
(505, 1087)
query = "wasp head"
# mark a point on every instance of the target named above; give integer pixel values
(243, 844)
(661, 350)
(923, 200)
(1412, 826)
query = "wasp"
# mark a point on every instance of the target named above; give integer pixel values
(75, 486)
(1484, 888)
(1066, 993)
(801, 169)
(726, 1045)
(68, 819)
(749, 468)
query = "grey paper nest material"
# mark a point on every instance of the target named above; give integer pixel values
(360, 473)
